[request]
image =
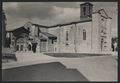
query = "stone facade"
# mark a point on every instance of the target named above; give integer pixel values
(91, 34)
(97, 36)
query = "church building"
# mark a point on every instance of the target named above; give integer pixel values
(91, 34)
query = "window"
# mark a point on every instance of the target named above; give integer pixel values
(66, 35)
(102, 44)
(17, 47)
(84, 34)
(84, 11)
(52, 41)
(21, 48)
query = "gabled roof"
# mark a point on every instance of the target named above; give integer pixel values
(17, 32)
(103, 13)
(50, 36)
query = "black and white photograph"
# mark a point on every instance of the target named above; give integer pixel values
(59, 41)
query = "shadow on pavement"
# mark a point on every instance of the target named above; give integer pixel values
(54, 71)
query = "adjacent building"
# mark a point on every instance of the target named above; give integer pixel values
(92, 33)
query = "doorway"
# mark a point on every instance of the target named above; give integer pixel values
(43, 46)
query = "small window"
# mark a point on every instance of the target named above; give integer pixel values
(52, 41)
(66, 35)
(84, 34)
(102, 41)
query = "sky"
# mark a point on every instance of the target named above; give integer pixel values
(50, 13)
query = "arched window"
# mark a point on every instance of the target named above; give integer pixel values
(17, 47)
(66, 35)
(102, 44)
(84, 34)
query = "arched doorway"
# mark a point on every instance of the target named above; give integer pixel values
(29, 47)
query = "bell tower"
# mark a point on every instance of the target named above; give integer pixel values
(86, 10)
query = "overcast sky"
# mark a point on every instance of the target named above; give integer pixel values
(50, 13)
